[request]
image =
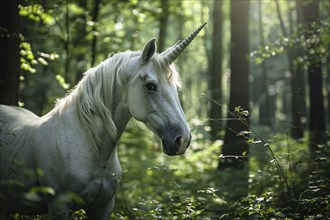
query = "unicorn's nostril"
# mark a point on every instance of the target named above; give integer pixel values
(178, 141)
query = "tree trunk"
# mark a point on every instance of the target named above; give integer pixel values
(296, 125)
(67, 42)
(328, 89)
(95, 14)
(235, 149)
(300, 70)
(9, 52)
(163, 21)
(215, 71)
(316, 98)
(81, 40)
(265, 116)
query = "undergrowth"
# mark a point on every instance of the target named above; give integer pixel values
(156, 186)
(189, 187)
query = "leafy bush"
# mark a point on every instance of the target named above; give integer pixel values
(156, 186)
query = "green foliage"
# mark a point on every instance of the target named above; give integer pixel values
(313, 39)
(35, 12)
(156, 186)
(61, 81)
(35, 193)
(314, 202)
(27, 57)
(254, 207)
(160, 187)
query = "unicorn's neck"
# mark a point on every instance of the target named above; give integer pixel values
(121, 116)
(106, 115)
(99, 101)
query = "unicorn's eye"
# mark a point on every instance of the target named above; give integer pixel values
(151, 86)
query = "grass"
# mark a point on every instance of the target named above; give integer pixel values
(166, 187)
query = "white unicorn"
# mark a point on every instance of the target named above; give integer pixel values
(73, 149)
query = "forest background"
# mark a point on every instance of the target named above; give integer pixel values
(256, 94)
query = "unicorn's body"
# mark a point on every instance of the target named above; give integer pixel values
(67, 163)
(73, 148)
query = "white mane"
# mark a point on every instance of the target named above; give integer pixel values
(93, 95)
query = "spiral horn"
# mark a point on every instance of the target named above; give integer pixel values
(170, 56)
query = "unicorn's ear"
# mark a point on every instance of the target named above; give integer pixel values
(148, 51)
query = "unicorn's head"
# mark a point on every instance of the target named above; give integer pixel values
(152, 95)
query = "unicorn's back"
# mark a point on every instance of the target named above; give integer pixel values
(12, 116)
(13, 123)
(16, 130)
(15, 133)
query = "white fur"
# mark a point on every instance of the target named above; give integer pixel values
(75, 144)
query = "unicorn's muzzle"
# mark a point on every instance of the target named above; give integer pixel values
(177, 145)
